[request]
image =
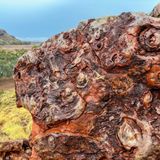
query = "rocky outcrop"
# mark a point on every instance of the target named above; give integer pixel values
(93, 92)
(156, 11)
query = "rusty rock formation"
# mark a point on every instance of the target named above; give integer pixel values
(93, 92)
(15, 150)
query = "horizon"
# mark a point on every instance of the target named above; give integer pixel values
(40, 19)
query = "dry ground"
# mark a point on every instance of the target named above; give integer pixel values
(6, 84)
(18, 47)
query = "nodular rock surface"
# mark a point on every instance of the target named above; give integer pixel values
(15, 150)
(94, 91)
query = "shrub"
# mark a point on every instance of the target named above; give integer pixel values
(7, 61)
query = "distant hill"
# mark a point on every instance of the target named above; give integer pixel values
(7, 39)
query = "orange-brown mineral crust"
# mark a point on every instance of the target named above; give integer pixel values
(94, 92)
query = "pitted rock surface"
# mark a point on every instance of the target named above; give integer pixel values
(15, 150)
(93, 92)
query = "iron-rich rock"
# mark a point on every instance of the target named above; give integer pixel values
(93, 92)
(15, 150)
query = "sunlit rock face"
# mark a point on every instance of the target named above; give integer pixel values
(156, 11)
(93, 92)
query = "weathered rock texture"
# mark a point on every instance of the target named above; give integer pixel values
(156, 11)
(93, 92)
(15, 150)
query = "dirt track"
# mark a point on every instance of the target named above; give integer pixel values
(18, 47)
(6, 84)
(15, 47)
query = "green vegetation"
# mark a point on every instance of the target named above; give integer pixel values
(15, 123)
(7, 61)
(35, 46)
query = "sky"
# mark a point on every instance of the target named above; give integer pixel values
(40, 19)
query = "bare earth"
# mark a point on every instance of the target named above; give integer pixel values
(6, 84)
(17, 47)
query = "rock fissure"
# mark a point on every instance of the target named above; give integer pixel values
(93, 92)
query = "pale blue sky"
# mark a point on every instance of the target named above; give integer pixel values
(40, 19)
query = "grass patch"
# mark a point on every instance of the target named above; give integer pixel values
(8, 60)
(15, 123)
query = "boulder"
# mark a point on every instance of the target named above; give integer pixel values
(94, 91)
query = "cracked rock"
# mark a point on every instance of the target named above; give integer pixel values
(94, 92)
